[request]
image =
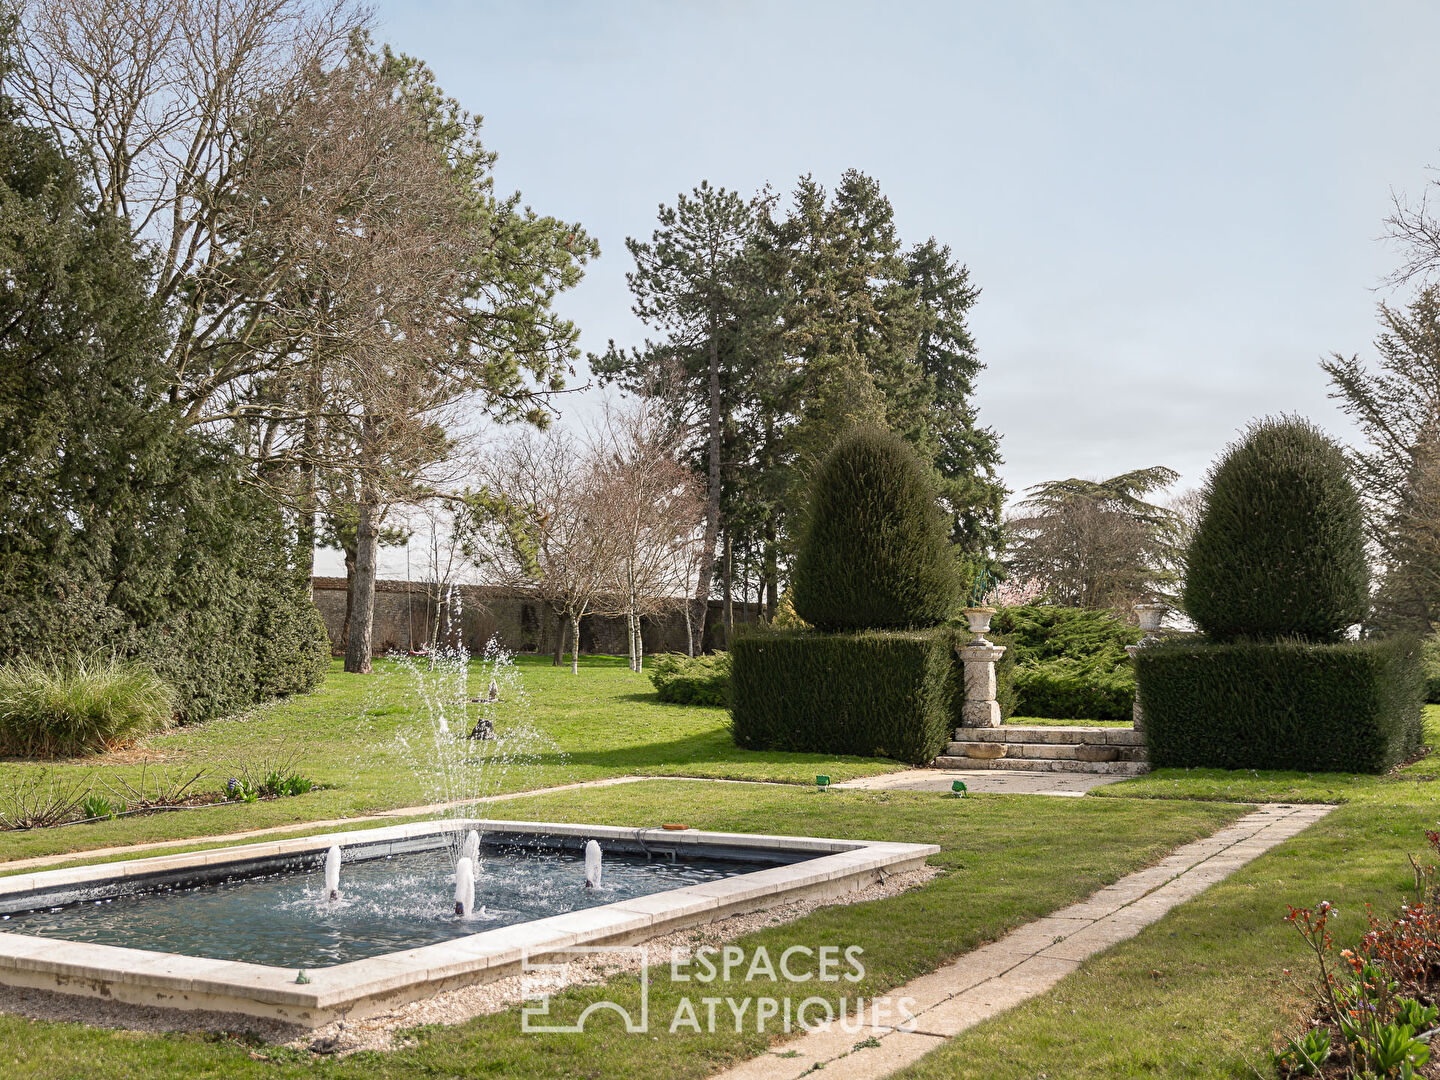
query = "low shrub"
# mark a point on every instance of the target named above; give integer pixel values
(1346, 707)
(893, 694)
(79, 706)
(1040, 632)
(684, 680)
(1069, 663)
(1074, 690)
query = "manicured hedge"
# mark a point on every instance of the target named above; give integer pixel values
(684, 680)
(1279, 550)
(873, 693)
(1347, 707)
(874, 551)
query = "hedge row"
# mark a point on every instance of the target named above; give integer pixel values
(1347, 707)
(872, 693)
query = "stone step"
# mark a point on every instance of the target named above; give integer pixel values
(1016, 733)
(992, 751)
(1110, 768)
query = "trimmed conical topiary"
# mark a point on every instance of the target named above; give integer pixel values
(1279, 551)
(874, 552)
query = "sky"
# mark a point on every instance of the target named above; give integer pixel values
(1173, 211)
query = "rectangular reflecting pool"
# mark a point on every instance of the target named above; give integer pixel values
(386, 903)
(251, 929)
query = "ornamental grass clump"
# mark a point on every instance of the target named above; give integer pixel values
(1279, 551)
(874, 553)
(80, 705)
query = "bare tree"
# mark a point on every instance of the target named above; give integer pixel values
(541, 524)
(156, 97)
(654, 507)
(325, 229)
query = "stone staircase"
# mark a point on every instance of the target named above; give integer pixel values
(1113, 751)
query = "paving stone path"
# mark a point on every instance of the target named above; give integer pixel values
(1030, 960)
(984, 780)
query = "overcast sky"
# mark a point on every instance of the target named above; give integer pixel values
(1172, 210)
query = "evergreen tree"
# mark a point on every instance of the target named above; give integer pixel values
(874, 552)
(1397, 407)
(696, 281)
(966, 455)
(1279, 551)
(123, 532)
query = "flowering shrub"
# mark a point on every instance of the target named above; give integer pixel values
(1376, 1004)
(1019, 593)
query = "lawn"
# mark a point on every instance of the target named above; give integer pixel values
(1202, 992)
(1198, 994)
(346, 736)
(1003, 866)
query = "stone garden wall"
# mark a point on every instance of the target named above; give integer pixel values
(410, 614)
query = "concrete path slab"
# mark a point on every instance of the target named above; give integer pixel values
(1030, 960)
(985, 780)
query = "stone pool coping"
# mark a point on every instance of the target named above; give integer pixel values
(140, 976)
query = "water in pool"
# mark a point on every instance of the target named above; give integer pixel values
(386, 904)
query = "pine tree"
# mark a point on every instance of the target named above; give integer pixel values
(696, 280)
(966, 455)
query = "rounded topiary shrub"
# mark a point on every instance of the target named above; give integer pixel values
(873, 553)
(1279, 551)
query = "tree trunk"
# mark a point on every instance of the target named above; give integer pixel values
(561, 626)
(574, 644)
(367, 553)
(309, 504)
(727, 587)
(689, 632)
(772, 572)
(712, 485)
(349, 597)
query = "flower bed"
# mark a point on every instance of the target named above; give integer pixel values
(1376, 1012)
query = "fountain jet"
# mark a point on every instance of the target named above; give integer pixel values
(471, 848)
(332, 872)
(592, 864)
(464, 887)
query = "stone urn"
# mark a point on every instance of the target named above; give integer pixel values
(979, 619)
(1151, 616)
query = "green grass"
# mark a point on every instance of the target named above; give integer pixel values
(1199, 994)
(1002, 868)
(1202, 992)
(607, 722)
(1047, 722)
